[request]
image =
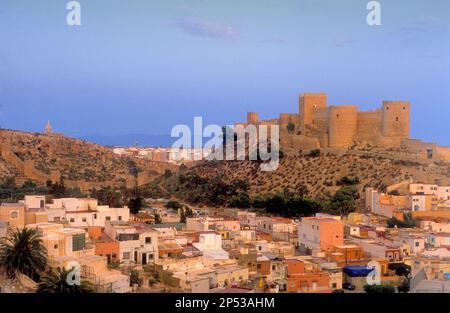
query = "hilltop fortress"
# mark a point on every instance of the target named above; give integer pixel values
(318, 125)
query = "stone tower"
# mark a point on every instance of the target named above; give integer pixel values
(395, 119)
(48, 129)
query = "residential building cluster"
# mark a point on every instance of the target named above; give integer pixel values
(169, 155)
(232, 250)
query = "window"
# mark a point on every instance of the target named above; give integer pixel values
(78, 242)
(95, 216)
(14, 215)
(84, 219)
(396, 119)
(120, 218)
(55, 247)
(273, 267)
(126, 255)
(108, 218)
(334, 285)
(258, 266)
(42, 204)
(148, 240)
(417, 243)
(72, 220)
(259, 248)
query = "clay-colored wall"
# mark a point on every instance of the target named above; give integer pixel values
(5, 215)
(305, 143)
(369, 125)
(310, 103)
(395, 119)
(320, 120)
(342, 125)
(286, 118)
(443, 153)
(252, 118)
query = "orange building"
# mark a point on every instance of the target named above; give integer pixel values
(104, 245)
(320, 233)
(302, 280)
(346, 253)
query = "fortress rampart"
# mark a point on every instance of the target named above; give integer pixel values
(319, 125)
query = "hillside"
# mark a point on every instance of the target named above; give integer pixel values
(40, 157)
(320, 175)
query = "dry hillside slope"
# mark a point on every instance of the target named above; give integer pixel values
(40, 157)
(320, 174)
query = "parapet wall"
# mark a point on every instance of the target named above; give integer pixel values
(369, 125)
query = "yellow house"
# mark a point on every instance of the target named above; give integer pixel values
(13, 214)
(229, 275)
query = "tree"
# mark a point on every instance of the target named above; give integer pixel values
(167, 173)
(302, 191)
(171, 204)
(408, 222)
(185, 213)
(241, 201)
(136, 204)
(290, 127)
(343, 201)
(23, 251)
(347, 181)
(158, 219)
(134, 278)
(314, 153)
(57, 282)
(384, 288)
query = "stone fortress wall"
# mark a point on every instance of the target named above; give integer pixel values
(319, 125)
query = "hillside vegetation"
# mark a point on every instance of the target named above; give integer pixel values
(75, 160)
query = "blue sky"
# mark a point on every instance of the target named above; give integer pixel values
(144, 66)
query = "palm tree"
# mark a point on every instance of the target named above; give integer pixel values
(57, 282)
(23, 250)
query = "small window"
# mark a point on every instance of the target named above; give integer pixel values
(84, 219)
(14, 215)
(72, 220)
(55, 247)
(126, 255)
(396, 119)
(120, 218)
(95, 216)
(108, 218)
(148, 240)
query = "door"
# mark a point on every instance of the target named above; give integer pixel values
(144, 258)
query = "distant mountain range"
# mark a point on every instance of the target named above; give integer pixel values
(142, 140)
